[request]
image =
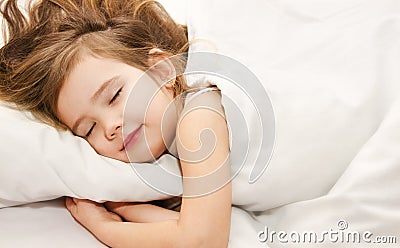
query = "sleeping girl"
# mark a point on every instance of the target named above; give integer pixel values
(110, 72)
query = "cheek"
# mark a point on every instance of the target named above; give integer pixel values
(95, 144)
(157, 109)
(99, 144)
(153, 122)
(161, 122)
(102, 149)
(154, 115)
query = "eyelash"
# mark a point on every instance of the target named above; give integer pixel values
(90, 130)
(115, 97)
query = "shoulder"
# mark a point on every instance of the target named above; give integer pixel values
(208, 98)
(204, 111)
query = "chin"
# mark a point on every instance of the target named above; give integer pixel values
(126, 160)
(146, 156)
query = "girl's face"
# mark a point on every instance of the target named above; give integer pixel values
(92, 102)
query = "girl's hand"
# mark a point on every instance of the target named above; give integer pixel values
(90, 214)
(141, 212)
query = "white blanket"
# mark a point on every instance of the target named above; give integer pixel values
(332, 71)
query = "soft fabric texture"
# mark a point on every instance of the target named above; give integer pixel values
(38, 163)
(331, 70)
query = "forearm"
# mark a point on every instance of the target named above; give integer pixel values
(204, 219)
(142, 212)
(172, 233)
(129, 234)
(166, 234)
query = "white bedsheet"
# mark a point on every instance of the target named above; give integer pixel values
(43, 224)
(48, 224)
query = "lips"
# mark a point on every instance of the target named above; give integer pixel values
(131, 139)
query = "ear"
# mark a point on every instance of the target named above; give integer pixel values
(162, 67)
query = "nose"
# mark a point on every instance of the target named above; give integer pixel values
(113, 131)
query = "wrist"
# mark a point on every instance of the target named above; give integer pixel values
(104, 231)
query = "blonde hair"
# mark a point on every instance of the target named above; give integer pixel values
(41, 50)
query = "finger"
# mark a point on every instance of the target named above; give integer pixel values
(83, 203)
(70, 205)
(68, 202)
(115, 216)
(86, 202)
(75, 200)
(115, 206)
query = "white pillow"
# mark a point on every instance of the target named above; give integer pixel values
(38, 163)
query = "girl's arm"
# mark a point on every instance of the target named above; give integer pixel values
(141, 212)
(204, 220)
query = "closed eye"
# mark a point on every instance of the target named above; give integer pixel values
(115, 96)
(90, 130)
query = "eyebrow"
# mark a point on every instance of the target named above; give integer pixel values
(95, 98)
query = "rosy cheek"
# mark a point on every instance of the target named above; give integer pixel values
(95, 144)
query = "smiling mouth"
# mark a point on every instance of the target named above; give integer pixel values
(131, 139)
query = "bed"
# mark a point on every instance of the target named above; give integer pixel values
(330, 68)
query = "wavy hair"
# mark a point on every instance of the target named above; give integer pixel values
(43, 45)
